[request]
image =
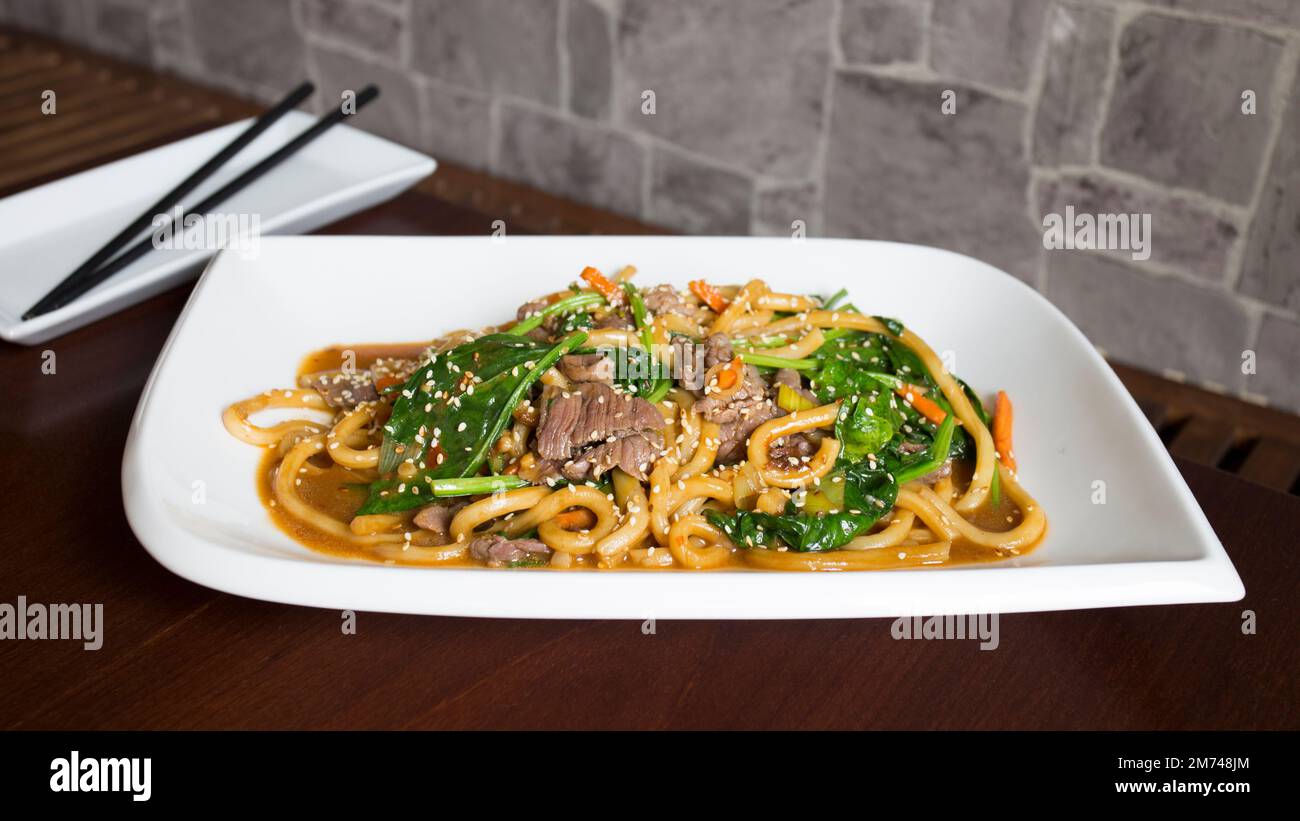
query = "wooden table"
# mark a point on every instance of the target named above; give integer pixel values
(177, 655)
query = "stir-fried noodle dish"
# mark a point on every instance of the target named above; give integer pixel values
(614, 426)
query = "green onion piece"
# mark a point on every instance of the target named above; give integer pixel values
(639, 315)
(760, 342)
(995, 486)
(938, 454)
(765, 361)
(789, 399)
(475, 485)
(835, 300)
(569, 303)
(661, 389)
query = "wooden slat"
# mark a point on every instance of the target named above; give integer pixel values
(21, 86)
(104, 150)
(21, 63)
(113, 93)
(1273, 463)
(93, 116)
(1203, 440)
(1147, 387)
(138, 119)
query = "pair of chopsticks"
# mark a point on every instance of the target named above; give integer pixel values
(102, 264)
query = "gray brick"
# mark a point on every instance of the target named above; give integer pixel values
(498, 46)
(992, 41)
(899, 169)
(739, 82)
(1155, 322)
(1272, 265)
(459, 125)
(395, 114)
(879, 32)
(1183, 235)
(695, 198)
(249, 41)
(64, 19)
(173, 40)
(1286, 12)
(582, 161)
(1175, 115)
(588, 37)
(779, 207)
(375, 29)
(1277, 367)
(1069, 107)
(120, 29)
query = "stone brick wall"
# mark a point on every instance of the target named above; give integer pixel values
(830, 112)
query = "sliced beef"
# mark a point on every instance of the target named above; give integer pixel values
(938, 473)
(692, 359)
(791, 379)
(617, 319)
(789, 451)
(543, 332)
(634, 454)
(743, 418)
(498, 551)
(342, 389)
(587, 367)
(738, 414)
(718, 409)
(665, 299)
(345, 390)
(436, 518)
(590, 412)
(627, 431)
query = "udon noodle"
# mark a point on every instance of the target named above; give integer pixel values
(616, 427)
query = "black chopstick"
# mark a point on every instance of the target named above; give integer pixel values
(52, 299)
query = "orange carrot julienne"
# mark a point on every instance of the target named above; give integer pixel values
(601, 284)
(577, 519)
(923, 404)
(709, 295)
(1002, 417)
(386, 381)
(730, 375)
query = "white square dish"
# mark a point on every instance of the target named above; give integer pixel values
(1141, 540)
(53, 228)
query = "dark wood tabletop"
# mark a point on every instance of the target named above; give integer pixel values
(178, 655)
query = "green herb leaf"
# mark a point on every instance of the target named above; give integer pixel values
(868, 493)
(893, 325)
(464, 415)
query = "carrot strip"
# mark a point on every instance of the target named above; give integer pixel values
(385, 382)
(1002, 417)
(576, 519)
(602, 284)
(730, 374)
(924, 406)
(709, 295)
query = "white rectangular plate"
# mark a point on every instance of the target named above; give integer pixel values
(249, 323)
(51, 229)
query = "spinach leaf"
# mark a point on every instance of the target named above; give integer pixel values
(892, 325)
(869, 491)
(456, 406)
(866, 425)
